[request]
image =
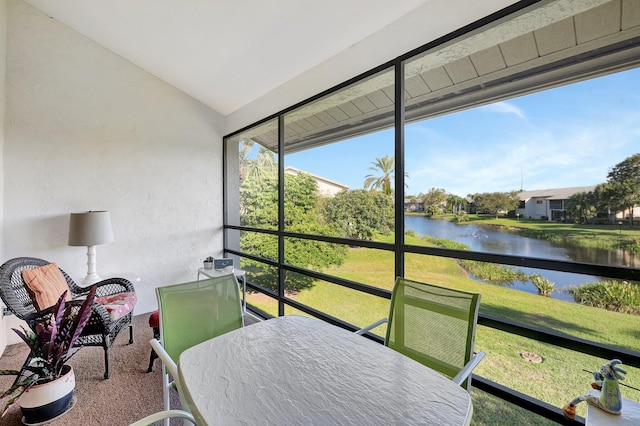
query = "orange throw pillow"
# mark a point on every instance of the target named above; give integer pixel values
(45, 284)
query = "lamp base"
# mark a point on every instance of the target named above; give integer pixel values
(90, 279)
(92, 275)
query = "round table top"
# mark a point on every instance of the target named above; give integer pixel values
(298, 370)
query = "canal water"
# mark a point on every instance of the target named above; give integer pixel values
(491, 239)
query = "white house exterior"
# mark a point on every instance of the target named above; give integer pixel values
(326, 187)
(625, 214)
(547, 204)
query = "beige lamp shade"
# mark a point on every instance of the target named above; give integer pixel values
(90, 228)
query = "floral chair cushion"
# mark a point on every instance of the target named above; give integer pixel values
(119, 304)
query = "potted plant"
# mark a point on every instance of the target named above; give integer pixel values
(208, 263)
(45, 384)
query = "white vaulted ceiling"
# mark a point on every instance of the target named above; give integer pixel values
(229, 53)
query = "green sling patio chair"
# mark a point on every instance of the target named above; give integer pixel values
(434, 326)
(191, 313)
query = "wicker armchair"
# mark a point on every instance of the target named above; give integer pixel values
(99, 331)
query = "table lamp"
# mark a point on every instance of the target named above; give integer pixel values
(90, 229)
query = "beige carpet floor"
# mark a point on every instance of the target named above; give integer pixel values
(128, 395)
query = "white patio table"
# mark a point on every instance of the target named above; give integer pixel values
(294, 370)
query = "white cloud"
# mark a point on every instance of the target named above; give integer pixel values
(504, 108)
(559, 153)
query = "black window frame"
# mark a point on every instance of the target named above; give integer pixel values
(631, 358)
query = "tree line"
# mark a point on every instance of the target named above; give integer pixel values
(437, 201)
(620, 193)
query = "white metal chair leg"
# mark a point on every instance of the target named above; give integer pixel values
(166, 415)
(166, 389)
(168, 367)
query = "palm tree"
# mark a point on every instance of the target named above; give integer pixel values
(387, 166)
(455, 203)
(243, 149)
(259, 168)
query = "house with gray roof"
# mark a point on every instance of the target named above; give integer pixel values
(547, 204)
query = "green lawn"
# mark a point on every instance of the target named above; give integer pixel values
(556, 380)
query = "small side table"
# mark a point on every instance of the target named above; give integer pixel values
(630, 415)
(239, 273)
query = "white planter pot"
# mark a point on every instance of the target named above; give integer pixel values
(48, 400)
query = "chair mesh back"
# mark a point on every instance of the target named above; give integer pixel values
(433, 325)
(191, 313)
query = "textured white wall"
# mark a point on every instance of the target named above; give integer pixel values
(3, 54)
(87, 130)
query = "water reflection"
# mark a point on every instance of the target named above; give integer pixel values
(490, 239)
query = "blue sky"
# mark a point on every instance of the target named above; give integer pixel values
(564, 137)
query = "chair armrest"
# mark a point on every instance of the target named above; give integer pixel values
(169, 363)
(99, 311)
(38, 316)
(371, 326)
(166, 414)
(107, 287)
(467, 369)
(98, 314)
